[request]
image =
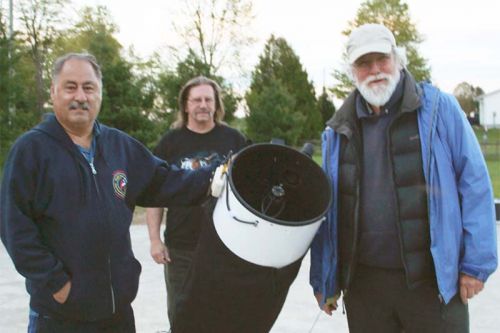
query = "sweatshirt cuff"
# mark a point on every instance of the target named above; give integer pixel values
(57, 281)
(474, 273)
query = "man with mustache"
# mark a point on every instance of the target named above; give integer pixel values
(198, 137)
(411, 234)
(67, 198)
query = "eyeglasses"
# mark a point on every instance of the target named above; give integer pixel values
(199, 100)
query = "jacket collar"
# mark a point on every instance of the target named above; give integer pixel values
(344, 121)
(51, 126)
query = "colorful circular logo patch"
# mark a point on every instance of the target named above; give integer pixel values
(120, 183)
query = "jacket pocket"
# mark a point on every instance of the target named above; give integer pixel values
(88, 298)
(126, 280)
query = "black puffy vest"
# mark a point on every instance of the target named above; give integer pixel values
(409, 182)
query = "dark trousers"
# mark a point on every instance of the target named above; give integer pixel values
(122, 322)
(379, 301)
(175, 274)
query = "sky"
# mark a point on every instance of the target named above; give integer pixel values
(461, 38)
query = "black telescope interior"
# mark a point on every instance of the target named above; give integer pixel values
(280, 184)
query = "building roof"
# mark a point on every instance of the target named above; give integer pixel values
(494, 92)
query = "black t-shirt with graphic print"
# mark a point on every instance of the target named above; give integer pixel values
(190, 150)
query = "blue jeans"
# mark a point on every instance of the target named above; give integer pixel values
(33, 321)
(122, 322)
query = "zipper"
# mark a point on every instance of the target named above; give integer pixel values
(329, 153)
(352, 265)
(113, 305)
(428, 181)
(92, 168)
(94, 173)
(395, 196)
(326, 159)
(356, 211)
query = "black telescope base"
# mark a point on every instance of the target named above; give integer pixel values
(224, 293)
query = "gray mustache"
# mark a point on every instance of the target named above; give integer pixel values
(77, 105)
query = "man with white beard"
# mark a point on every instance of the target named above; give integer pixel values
(410, 236)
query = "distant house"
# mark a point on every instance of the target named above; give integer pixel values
(489, 109)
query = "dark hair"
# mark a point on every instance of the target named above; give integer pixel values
(182, 117)
(59, 63)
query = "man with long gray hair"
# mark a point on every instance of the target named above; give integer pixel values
(198, 138)
(411, 234)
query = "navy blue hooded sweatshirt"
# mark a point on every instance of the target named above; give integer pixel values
(61, 220)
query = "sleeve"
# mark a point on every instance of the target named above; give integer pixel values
(19, 230)
(155, 183)
(319, 260)
(475, 192)
(323, 271)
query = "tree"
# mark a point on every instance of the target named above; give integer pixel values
(466, 95)
(17, 106)
(216, 31)
(214, 34)
(129, 91)
(40, 20)
(325, 106)
(280, 76)
(4, 66)
(273, 115)
(5, 98)
(394, 14)
(170, 83)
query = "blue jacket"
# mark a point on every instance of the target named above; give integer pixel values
(63, 220)
(460, 200)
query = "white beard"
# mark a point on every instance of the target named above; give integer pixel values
(379, 94)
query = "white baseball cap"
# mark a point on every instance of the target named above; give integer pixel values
(369, 38)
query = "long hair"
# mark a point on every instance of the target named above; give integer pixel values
(182, 116)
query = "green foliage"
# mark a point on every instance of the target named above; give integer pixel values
(171, 82)
(4, 65)
(39, 28)
(325, 106)
(213, 35)
(494, 171)
(17, 105)
(394, 14)
(129, 90)
(240, 124)
(490, 146)
(272, 115)
(93, 33)
(231, 101)
(466, 95)
(279, 75)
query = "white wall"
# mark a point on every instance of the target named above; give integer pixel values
(489, 110)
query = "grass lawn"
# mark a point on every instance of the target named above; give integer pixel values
(494, 170)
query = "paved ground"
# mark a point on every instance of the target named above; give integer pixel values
(298, 315)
